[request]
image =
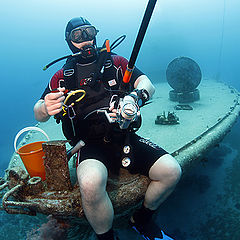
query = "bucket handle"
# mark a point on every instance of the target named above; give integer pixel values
(25, 130)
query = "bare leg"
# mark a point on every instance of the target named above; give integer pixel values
(165, 174)
(92, 178)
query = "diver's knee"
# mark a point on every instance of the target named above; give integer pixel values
(92, 182)
(175, 172)
(166, 169)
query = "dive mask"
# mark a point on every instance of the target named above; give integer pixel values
(83, 34)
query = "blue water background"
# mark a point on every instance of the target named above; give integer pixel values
(32, 35)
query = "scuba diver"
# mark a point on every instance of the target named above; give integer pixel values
(85, 95)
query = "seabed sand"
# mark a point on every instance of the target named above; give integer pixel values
(204, 204)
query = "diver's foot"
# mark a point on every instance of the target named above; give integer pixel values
(149, 231)
(115, 237)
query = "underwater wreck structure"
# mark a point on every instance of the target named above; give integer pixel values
(199, 130)
(184, 75)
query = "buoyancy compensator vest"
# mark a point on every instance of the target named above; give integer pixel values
(99, 80)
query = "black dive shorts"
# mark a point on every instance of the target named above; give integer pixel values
(136, 155)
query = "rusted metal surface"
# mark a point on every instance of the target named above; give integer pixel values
(54, 196)
(15, 176)
(2, 181)
(56, 166)
(8, 205)
(18, 183)
(124, 192)
(3, 185)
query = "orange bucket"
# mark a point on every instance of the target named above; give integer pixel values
(32, 155)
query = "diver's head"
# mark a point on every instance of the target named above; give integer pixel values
(79, 33)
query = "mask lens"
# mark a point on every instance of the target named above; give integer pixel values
(91, 31)
(76, 36)
(82, 34)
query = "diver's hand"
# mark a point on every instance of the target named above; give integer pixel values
(54, 101)
(128, 103)
(113, 112)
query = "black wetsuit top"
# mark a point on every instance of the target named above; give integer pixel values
(89, 125)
